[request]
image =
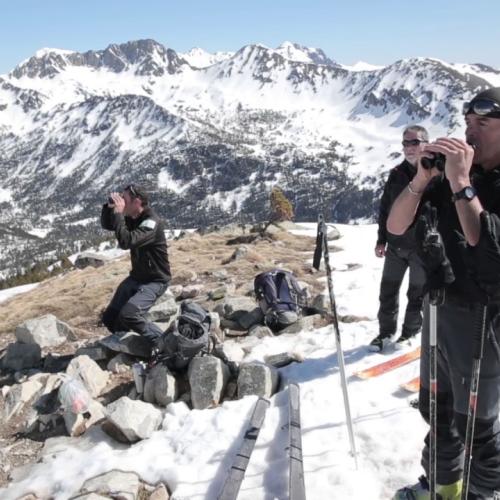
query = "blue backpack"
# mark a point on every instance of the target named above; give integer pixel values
(280, 298)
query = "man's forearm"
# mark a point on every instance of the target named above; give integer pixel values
(468, 215)
(404, 209)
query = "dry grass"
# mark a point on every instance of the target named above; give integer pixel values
(78, 296)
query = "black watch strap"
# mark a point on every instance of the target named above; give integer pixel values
(467, 193)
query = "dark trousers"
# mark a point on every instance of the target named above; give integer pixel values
(455, 327)
(397, 261)
(130, 302)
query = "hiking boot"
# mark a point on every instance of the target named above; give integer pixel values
(404, 341)
(378, 343)
(420, 491)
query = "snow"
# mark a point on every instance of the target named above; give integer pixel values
(40, 232)
(362, 66)
(17, 290)
(194, 449)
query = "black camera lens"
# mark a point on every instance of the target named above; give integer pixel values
(437, 161)
(110, 201)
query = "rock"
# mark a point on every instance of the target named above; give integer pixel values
(164, 308)
(220, 274)
(333, 233)
(46, 331)
(93, 259)
(56, 363)
(208, 377)
(160, 386)
(234, 307)
(19, 397)
(321, 302)
(232, 351)
(305, 323)
(77, 424)
(229, 324)
(175, 290)
(21, 356)
(352, 318)
(283, 359)
(190, 292)
(88, 372)
(129, 343)
(217, 294)
(95, 352)
(214, 321)
(160, 493)
(239, 253)
(183, 277)
(121, 363)
(251, 318)
(260, 331)
(136, 420)
(257, 379)
(118, 484)
(90, 496)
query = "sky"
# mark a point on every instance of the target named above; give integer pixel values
(347, 30)
(193, 450)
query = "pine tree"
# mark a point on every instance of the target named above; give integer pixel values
(281, 207)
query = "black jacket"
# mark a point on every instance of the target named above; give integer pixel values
(487, 184)
(398, 179)
(145, 238)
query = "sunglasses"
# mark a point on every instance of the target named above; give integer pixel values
(131, 189)
(412, 142)
(482, 107)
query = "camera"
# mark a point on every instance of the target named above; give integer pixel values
(110, 201)
(437, 161)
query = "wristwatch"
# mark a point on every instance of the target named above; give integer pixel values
(467, 193)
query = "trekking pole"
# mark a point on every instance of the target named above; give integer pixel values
(322, 249)
(479, 334)
(435, 299)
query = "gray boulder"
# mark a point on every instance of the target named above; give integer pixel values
(89, 373)
(21, 356)
(160, 386)
(46, 331)
(257, 379)
(116, 484)
(208, 377)
(134, 420)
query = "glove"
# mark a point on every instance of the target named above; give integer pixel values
(483, 260)
(430, 249)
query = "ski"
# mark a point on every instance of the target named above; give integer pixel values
(237, 472)
(386, 366)
(296, 471)
(412, 385)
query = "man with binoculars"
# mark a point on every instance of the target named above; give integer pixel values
(460, 206)
(399, 252)
(138, 229)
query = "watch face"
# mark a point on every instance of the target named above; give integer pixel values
(469, 193)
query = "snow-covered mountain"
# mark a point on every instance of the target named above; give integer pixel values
(210, 134)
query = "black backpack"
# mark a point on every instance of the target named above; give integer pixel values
(280, 298)
(187, 337)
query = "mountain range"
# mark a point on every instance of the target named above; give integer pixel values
(208, 135)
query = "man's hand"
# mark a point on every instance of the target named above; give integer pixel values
(459, 157)
(118, 203)
(380, 250)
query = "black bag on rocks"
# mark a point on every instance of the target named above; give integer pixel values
(280, 298)
(187, 337)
